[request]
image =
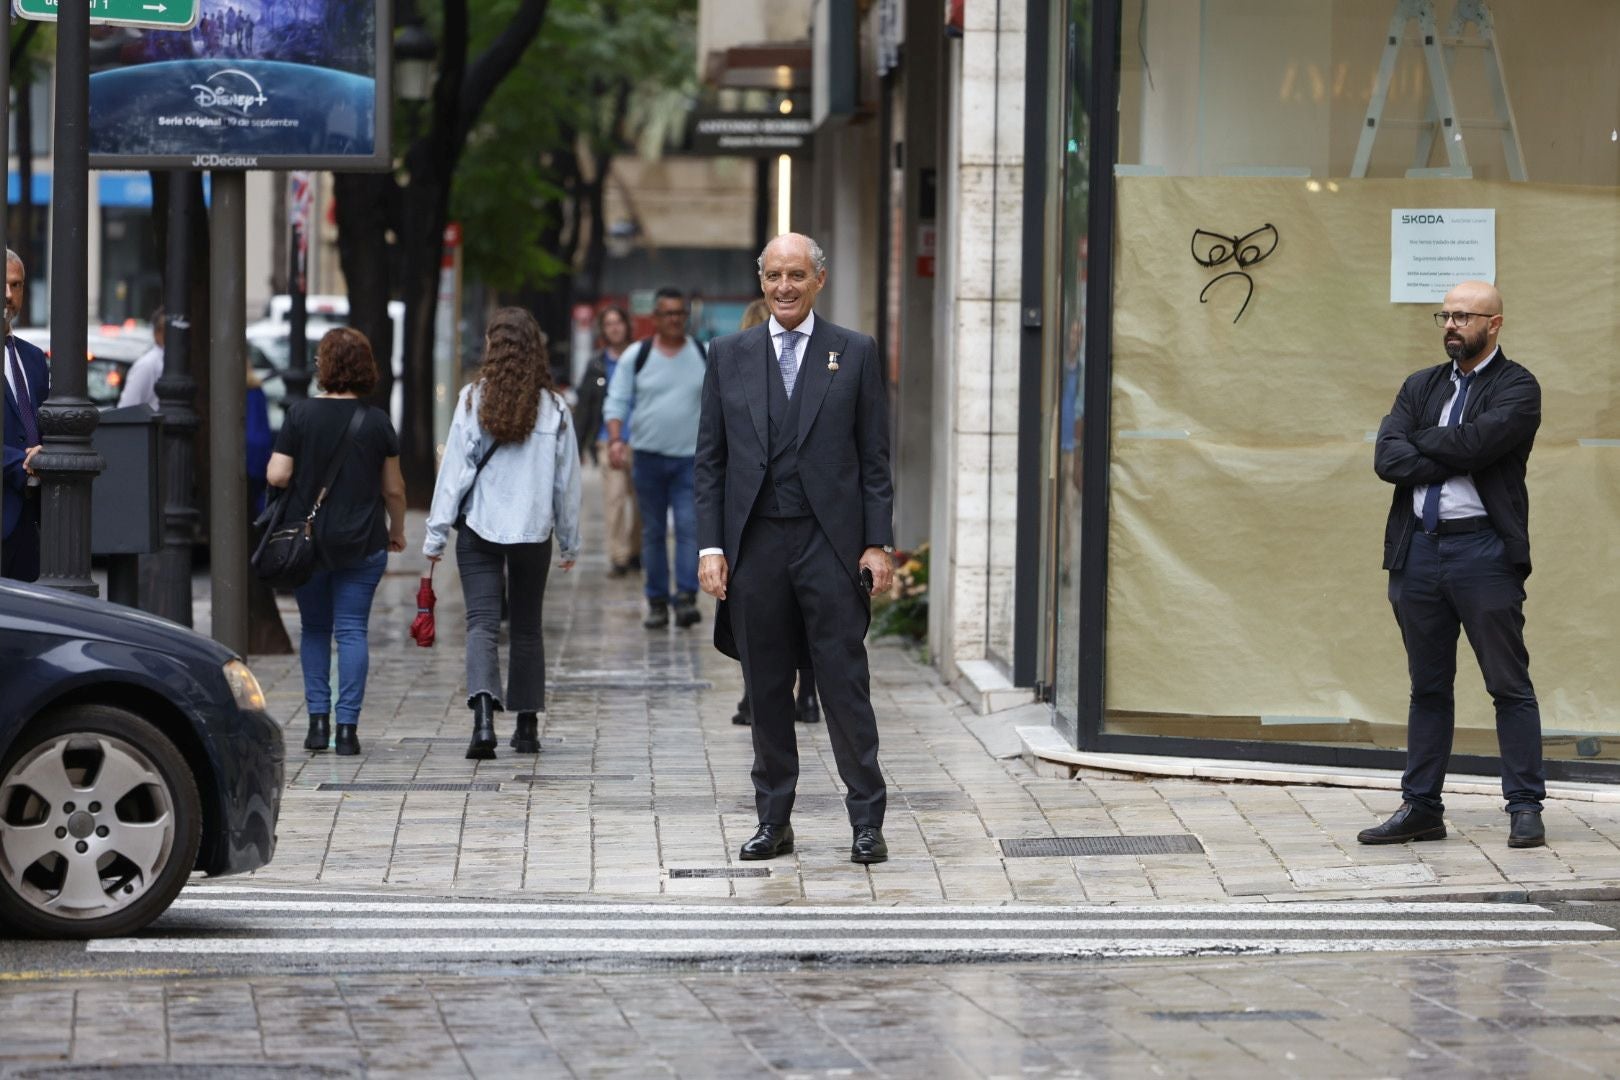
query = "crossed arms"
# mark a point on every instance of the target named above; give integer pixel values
(1409, 454)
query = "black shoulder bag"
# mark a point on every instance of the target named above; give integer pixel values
(461, 511)
(285, 557)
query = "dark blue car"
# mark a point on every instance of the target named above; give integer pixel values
(132, 752)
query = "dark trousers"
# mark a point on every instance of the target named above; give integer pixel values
(19, 552)
(1453, 582)
(487, 569)
(789, 592)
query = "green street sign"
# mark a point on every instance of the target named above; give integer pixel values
(156, 14)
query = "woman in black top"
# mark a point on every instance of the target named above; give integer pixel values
(351, 539)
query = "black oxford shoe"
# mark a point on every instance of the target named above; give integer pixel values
(1526, 830)
(1410, 822)
(808, 710)
(769, 842)
(868, 846)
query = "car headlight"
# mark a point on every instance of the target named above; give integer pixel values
(244, 687)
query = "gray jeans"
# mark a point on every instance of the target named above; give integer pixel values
(485, 568)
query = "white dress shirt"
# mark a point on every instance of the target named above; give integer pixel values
(11, 380)
(1459, 498)
(777, 332)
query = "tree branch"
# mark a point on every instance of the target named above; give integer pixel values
(496, 63)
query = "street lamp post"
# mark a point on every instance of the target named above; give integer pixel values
(69, 463)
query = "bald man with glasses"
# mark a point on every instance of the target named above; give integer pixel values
(1457, 548)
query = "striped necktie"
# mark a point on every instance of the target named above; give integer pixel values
(788, 360)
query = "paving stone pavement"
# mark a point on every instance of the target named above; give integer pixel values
(1532, 1012)
(642, 773)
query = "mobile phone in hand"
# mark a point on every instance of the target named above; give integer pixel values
(866, 580)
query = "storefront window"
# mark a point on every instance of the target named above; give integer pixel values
(1261, 328)
(1070, 406)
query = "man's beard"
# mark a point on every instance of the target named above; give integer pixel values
(1461, 348)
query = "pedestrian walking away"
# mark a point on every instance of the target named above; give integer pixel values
(806, 708)
(1457, 548)
(510, 486)
(795, 519)
(619, 510)
(352, 537)
(662, 380)
(28, 383)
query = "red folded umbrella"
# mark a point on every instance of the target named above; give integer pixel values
(422, 625)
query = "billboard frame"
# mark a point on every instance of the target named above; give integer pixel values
(381, 159)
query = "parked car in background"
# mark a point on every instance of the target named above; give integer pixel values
(327, 310)
(110, 350)
(270, 353)
(132, 752)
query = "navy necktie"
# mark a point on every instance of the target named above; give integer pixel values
(1431, 497)
(788, 360)
(25, 403)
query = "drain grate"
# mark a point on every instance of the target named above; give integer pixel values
(540, 778)
(1535, 1021)
(222, 1070)
(1053, 847)
(721, 872)
(1200, 1016)
(461, 740)
(378, 786)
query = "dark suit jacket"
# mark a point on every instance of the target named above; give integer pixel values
(843, 443)
(38, 372)
(591, 394)
(1491, 445)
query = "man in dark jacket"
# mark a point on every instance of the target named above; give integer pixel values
(1457, 548)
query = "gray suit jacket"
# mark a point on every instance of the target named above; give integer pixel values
(843, 441)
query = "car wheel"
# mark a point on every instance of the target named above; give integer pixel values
(99, 824)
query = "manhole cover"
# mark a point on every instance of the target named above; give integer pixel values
(1049, 847)
(379, 786)
(720, 872)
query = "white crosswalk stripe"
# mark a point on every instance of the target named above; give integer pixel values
(305, 925)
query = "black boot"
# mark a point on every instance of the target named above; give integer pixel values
(482, 746)
(526, 735)
(657, 614)
(320, 731)
(744, 715)
(348, 744)
(807, 708)
(686, 610)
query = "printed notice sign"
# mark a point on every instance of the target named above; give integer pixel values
(1432, 250)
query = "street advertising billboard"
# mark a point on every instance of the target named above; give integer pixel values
(253, 84)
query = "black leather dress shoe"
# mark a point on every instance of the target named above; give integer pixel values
(808, 710)
(1408, 823)
(868, 846)
(1527, 830)
(769, 842)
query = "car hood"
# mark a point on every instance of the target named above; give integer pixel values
(70, 615)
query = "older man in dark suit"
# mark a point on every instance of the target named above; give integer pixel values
(795, 510)
(27, 383)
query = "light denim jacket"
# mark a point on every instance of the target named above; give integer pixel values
(529, 491)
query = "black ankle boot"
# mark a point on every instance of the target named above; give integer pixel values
(526, 735)
(320, 731)
(348, 744)
(482, 746)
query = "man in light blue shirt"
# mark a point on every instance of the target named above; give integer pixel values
(662, 380)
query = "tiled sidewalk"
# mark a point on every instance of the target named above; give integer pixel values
(642, 773)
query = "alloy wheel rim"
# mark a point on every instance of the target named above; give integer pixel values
(87, 825)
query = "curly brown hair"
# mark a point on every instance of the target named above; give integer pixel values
(344, 364)
(516, 369)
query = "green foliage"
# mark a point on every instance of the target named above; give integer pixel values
(516, 178)
(903, 610)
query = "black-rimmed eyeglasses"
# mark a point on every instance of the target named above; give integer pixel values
(1461, 318)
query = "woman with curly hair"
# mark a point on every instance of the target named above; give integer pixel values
(509, 483)
(351, 540)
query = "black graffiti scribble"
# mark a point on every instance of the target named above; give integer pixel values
(1211, 249)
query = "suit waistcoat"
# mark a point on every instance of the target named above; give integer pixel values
(782, 494)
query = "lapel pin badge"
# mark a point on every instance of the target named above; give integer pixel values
(832, 361)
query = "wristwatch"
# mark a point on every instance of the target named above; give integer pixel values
(888, 549)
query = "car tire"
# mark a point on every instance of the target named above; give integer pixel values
(100, 822)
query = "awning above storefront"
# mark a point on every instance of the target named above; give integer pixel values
(776, 65)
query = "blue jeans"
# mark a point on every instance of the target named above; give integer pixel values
(663, 482)
(337, 602)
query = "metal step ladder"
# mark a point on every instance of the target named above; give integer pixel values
(1441, 121)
